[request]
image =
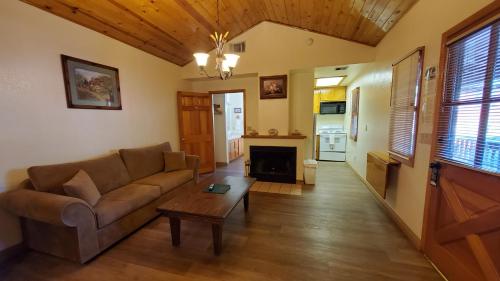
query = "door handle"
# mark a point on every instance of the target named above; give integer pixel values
(435, 167)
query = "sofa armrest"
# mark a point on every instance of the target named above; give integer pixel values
(49, 208)
(193, 162)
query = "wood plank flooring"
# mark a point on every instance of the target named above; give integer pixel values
(334, 231)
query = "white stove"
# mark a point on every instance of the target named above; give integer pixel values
(332, 144)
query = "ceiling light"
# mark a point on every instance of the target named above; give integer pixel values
(329, 81)
(224, 63)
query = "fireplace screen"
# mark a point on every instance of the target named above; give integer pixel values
(273, 163)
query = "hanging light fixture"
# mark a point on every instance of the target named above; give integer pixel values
(224, 63)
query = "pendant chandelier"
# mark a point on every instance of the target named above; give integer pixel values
(224, 63)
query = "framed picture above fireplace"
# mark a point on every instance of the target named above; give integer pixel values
(273, 87)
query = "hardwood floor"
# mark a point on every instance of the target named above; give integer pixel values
(334, 231)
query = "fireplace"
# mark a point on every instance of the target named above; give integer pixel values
(273, 163)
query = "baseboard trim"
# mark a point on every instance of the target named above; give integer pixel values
(436, 268)
(391, 213)
(12, 252)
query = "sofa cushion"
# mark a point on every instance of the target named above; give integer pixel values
(82, 187)
(175, 161)
(124, 200)
(145, 161)
(107, 173)
(168, 181)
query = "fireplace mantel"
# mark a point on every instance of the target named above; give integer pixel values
(274, 137)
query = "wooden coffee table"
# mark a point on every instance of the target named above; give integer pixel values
(196, 205)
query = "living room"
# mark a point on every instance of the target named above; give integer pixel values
(353, 223)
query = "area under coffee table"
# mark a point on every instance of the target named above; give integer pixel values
(196, 205)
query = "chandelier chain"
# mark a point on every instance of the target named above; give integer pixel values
(218, 16)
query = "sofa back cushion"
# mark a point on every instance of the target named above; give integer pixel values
(107, 173)
(145, 161)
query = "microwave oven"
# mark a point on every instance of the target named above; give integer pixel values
(332, 107)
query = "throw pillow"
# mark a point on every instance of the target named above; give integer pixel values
(81, 186)
(174, 161)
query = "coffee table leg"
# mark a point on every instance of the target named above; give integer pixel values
(245, 201)
(175, 231)
(217, 236)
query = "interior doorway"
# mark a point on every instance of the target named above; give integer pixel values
(229, 118)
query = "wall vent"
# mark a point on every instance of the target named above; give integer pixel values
(239, 47)
(341, 68)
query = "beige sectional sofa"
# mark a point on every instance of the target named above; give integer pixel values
(132, 184)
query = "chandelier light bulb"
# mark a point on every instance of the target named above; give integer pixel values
(201, 59)
(225, 66)
(231, 59)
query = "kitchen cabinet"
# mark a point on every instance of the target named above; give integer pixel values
(235, 148)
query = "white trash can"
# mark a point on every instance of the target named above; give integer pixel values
(310, 167)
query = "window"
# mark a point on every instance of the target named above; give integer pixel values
(406, 77)
(469, 127)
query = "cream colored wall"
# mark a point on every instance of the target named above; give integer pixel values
(273, 49)
(301, 106)
(421, 26)
(37, 127)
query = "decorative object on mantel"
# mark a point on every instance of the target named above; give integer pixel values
(273, 132)
(251, 131)
(218, 109)
(273, 87)
(290, 137)
(224, 63)
(90, 85)
(296, 133)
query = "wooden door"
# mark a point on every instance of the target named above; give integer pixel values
(196, 127)
(462, 222)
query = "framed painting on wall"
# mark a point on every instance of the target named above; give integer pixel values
(354, 114)
(90, 85)
(273, 87)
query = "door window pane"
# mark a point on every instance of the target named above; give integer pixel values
(469, 122)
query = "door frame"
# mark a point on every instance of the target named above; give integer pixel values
(475, 21)
(232, 91)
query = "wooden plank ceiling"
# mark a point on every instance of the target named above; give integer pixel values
(175, 29)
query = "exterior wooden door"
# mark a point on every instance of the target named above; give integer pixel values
(462, 222)
(196, 127)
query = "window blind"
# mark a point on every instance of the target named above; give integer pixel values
(406, 77)
(468, 128)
